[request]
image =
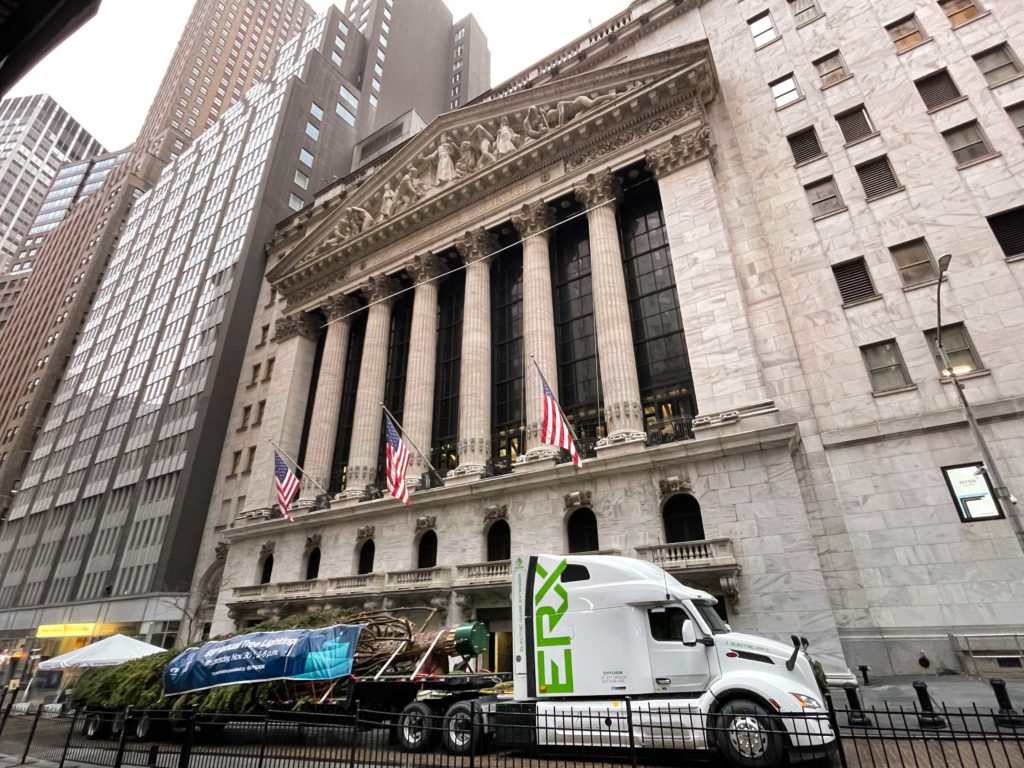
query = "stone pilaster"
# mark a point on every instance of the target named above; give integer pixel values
(475, 373)
(366, 425)
(418, 410)
(538, 320)
(323, 428)
(617, 361)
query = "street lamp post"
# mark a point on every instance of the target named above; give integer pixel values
(1004, 498)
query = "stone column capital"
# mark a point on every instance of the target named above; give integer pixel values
(533, 218)
(339, 305)
(679, 151)
(381, 287)
(290, 326)
(426, 267)
(475, 245)
(598, 188)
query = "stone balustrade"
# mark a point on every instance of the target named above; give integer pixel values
(702, 554)
(417, 578)
(497, 571)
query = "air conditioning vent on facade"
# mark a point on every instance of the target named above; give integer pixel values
(805, 145)
(877, 177)
(855, 125)
(1008, 227)
(937, 90)
(854, 281)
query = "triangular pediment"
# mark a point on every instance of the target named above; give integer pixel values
(463, 154)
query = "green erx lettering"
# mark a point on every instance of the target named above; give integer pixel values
(553, 675)
(555, 684)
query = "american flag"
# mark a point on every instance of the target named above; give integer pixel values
(287, 485)
(397, 462)
(553, 428)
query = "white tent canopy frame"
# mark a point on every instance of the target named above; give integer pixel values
(108, 652)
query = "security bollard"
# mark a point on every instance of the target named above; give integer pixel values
(927, 718)
(856, 716)
(864, 669)
(1008, 717)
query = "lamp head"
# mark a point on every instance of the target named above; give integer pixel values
(944, 260)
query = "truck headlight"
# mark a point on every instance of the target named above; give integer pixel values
(806, 702)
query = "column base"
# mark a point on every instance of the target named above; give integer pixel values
(465, 473)
(621, 441)
(536, 460)
(355, 493)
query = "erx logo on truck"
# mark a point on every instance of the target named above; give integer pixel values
(550, 602)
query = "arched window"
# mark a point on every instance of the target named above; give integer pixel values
(426, 556)
(682, 519)
(582, 530)
(366, 553)
(499, 541)
(266, 569)
(313, 563)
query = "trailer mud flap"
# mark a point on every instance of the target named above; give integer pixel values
(515, 724)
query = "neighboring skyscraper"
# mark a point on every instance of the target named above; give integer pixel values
(113, 503)
(29, 29)
(37, 137)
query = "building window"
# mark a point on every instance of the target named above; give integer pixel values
(784, 91)
(269, 369)
(967, 142)
(877, 177)
(306, 158)
(312, 131)
(855, 124)
(682, 519)
(373, 101)
(250, 457)
(937, 90)
(581, 530)
(906, 33)
(914, 262)
(236, 463)
(398, 357)
(261, 406)
(366, 553)
(958, 347)
(804, 11)
(831, 69)
(997, 64)
(1016, 113)
(350, 98)
(255, 375)
(301, 180)
(295, 202)
(854, 281)
(804, 145)
(885, 366)
(960, 11)
(1008, 228)
(344, 114)
(350, 384)
(762, 29)
(266, 569)
(499, 542)
(824, 197)
(313, 564)
(506, 359)
(316, 111)
(336, 58)
(446, 385)
(426, 550)
(246, 415)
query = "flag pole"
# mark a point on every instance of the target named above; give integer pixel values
(405, 434)
(557, 405)
(293, 461)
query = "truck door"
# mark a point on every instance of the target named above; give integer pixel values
(676, 668)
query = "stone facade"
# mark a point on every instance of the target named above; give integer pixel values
(824, 507)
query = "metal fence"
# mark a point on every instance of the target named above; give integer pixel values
(626, 733)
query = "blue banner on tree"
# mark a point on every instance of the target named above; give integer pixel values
(295, 654)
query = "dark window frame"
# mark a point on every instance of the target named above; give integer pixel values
(507, 414)
(899, 365)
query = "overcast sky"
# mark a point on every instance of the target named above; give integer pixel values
(106, 73)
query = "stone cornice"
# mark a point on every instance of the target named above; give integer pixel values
(680, 151)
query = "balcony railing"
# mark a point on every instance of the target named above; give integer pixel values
(308, 587)
(257, 590)
(670, 430)
(361, 583)
(418, 578)
(703, 554)
(495, 572)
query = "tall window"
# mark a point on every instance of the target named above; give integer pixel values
(682, 519)
(426, 553)
(266, 569)
(445, 439)
(499, 541)
(581, 529)
(507, 358)
(398, 356)
(313, 563)
(662, 363)
(343, 441)
(366, 552)
(579, 388)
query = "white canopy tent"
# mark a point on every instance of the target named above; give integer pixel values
(116, 649)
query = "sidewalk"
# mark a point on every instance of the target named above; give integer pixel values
(952, 691)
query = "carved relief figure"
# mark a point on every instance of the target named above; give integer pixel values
(467, 160)
(506, 141)
(484, 145)
(444, 155)
(535, 125)
(409, 189)
(564, 111)
(387, 202)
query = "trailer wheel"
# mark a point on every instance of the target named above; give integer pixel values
(748, 736)
(95, 727)
(459, 733)
(417, 727)
(143, 728)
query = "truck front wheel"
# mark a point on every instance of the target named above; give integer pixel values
(748, 736)
(417, 727)
(460, 733)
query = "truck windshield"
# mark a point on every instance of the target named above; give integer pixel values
(707, 612)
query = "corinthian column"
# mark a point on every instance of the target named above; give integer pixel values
(362, 456)
(475, 373)
(418, 411)
(538, 320)
(619, 384)
(323, 428)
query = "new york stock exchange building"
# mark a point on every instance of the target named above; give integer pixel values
(629, 218)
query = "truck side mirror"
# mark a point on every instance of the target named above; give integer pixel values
(689, 633)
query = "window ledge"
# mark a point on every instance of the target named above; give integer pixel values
(251, 385)
(981, 15)
(1010, 79)
(894, 390)
(861, 140)
(762, 46)
(858, 302)
(895, 191)
(972, 375)
(836, 212)
(1015, 257)
(924, 283)
(834, 83)
(260, 345)
(979, 160)
(940, 107)
(785, 106)
(803, 24)
(814, 159)
(915, 45)
(241, 429)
